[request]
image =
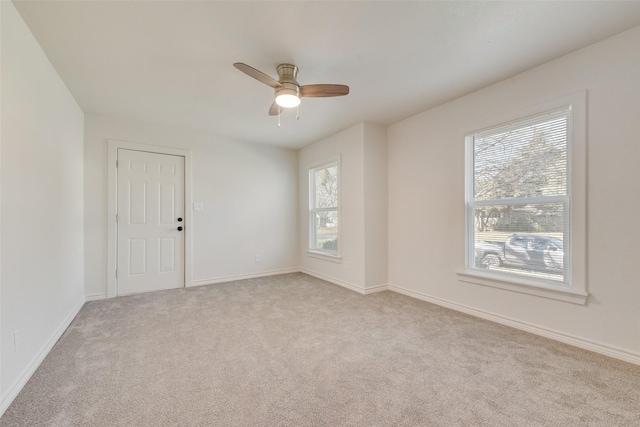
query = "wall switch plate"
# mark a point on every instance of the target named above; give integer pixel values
(198, 206)
(258, 258)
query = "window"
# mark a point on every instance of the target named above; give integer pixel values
(323, 209)
(519, 203)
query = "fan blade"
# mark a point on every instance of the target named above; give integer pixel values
(258, 75)
(273, 111)
(323, 90)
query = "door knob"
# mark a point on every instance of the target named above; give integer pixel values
(179, 228)
(179, 219)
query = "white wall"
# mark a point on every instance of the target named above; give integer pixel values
(376, 206)
(348, 145)
(426, 198)
(42, 205)
(362, 150)
(249, 193)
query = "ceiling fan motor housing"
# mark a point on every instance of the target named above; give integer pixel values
(287, 73)
(290, 89)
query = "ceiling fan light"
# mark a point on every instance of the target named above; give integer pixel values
(287, 100)
(288, 95)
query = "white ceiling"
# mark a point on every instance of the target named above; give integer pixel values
(171, 62)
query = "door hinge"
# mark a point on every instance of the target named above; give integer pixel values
(116, 217)
(116, 274)
(116, 164)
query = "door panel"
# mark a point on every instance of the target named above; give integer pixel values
(137, 202)
(150, 201)
(167, 254)
(167, 203)
(137, 256)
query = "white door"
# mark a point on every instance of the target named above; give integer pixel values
(150, 222)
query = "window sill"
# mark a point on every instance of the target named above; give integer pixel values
(523, 285)
(324, 256)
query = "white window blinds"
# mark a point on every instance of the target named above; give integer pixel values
(519, 197)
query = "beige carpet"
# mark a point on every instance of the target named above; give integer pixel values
(293, 350)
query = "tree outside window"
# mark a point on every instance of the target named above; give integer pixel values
(323, 211)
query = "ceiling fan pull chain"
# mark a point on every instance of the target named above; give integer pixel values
(298, 112)
(278, 116)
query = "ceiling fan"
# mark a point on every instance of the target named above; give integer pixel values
(287, 89)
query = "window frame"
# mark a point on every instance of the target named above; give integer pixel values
(574, 288)
(334, 256)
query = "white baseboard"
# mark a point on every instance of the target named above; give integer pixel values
(223, 279)
(600, 348)
(374, 289)
(20, 382)
(350, 286)
(96, 297)
(335, 281)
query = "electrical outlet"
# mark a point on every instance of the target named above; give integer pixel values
(258, 258)
(16, 340)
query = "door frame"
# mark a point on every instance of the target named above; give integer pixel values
(112, 207)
